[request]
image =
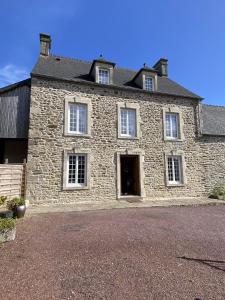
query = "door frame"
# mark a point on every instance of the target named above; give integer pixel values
(140, 155)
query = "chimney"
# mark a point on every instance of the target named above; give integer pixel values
(162, 67)
(45, 44)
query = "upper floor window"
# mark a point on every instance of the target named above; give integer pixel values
(128, 122)
(103, 76)
(76, 170)
(174, 170)
(172, 125)
(149, 83)
(77, 116)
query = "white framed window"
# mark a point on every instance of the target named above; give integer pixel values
(174, 169)
(149, 83)
(76, 170)
(103, 76)
(77, 118)
(128, 122)
(172, 125)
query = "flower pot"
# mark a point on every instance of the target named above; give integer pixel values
(19, 211)
(7, 235)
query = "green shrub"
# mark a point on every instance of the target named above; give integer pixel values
(219, 191)
(7, 223)
(2, 200)
(15, 202)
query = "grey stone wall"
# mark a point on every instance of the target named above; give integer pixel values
(47, 143)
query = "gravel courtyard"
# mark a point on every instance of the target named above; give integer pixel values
(146, 253)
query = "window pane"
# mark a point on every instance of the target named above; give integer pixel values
(72, 169)
(77, 118)
(174, 167)
(103, 76)
(76, 169)
(149, 83)
(168, 125)
(81, 169)
(132, 122)
(128, 122)
(73, 117)
(170, 169)
(172, 125)
(82, 118)
(124, 121)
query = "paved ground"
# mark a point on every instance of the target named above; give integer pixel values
(145, 253)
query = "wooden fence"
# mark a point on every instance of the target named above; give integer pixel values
(12, 180)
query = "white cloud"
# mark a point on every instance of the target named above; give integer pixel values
(11, 73)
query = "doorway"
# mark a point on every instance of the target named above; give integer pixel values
(130, 175)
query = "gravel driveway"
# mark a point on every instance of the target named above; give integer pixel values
(149, 253)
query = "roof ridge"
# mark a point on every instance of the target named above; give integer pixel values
(219, 106)
(89, 62)
(70, 58)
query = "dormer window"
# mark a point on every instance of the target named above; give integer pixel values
(103, 76)
(148, 83)
(102, 71)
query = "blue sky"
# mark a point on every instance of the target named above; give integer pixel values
(190, 34)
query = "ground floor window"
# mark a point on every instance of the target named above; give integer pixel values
(77, 169)
(174, 165)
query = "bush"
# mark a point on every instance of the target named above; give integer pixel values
(7, 223)
(2, 200)
(219, 191)
(15, 202)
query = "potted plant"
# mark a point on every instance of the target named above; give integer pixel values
(18, 206)
(219, 192)
(7, 230)
(5, 213)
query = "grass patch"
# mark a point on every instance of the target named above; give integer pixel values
(7, 223)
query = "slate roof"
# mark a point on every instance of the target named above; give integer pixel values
(213, 118)
(15, 85)
(78, 71)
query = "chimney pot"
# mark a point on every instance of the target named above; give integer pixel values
(45, 44)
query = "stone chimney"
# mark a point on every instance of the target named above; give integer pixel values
(45, 44)
(162, 67)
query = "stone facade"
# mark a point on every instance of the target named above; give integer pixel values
(203, 157)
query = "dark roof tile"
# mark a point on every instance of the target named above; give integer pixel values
(78, 70)
(213, 118)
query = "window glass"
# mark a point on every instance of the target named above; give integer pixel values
(174, 169)
(149, 83)
(103, 76)
(77, 170)
(77, 118)
(128, 122)
(172, 125)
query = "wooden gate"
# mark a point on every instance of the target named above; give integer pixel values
(12, 180)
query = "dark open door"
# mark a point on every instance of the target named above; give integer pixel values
(130, 175)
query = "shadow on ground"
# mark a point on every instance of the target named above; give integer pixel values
(216, 264)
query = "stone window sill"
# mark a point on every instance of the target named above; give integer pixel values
(77, 135)
(121, 137)
(175, 185)
(67, 188)
(173, 140)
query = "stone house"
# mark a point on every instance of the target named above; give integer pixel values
(94, 131)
